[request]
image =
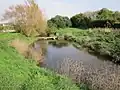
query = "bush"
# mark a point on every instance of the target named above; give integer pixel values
(116, 25)
(51, 30)
(101, 24)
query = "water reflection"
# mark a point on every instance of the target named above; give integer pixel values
(56, 51)
(58, 44)
(40, 45)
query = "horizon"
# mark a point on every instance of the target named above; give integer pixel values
(69, 8)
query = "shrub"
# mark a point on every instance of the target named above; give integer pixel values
(101, 24)
(116, 25)
(31, 22)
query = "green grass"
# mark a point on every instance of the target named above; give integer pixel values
(11, 36)
(18, 73)
(104, 42)
(69, 31)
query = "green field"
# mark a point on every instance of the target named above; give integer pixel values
(18, 73)
(104, 42)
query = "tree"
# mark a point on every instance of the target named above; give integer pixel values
(51, 28)
(51, 24)
(105, 14)
(116, 16)
(28, 17)
(92, 15)
(60, 22)
(67, 21)
(80, 21)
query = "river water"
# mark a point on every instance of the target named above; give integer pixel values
(64, 58)
(57, 51)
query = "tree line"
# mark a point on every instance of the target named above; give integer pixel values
(102, 18)
(29, 19)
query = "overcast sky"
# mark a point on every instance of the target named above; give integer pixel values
(66, 7)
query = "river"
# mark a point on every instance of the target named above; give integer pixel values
(82, 67)
(64, 58)
(57, 51)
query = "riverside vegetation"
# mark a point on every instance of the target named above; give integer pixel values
(97, 31)
(100, 41)
(104, 42)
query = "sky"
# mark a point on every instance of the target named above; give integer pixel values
(68, 8)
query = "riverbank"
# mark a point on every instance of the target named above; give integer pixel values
(96, 72)
(104, 42)
(18, 73)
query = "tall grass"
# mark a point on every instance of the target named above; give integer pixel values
(27, 51)
(107, 77)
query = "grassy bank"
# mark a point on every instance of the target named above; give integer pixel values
(12, 36)
(18, 73)
(104, 42)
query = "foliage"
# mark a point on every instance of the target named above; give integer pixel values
(102, 24)
(103, 18)
(18, 73)
(92, 15)
(52, 27)
(59, 22)
(80, 21)
(98, 18)
(28, 18)
(116, 16)
(51, 31)
(67, 22)
(104, 14)
(50, 24)
(116, 25)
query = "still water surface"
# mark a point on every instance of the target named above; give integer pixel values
(57, 51)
